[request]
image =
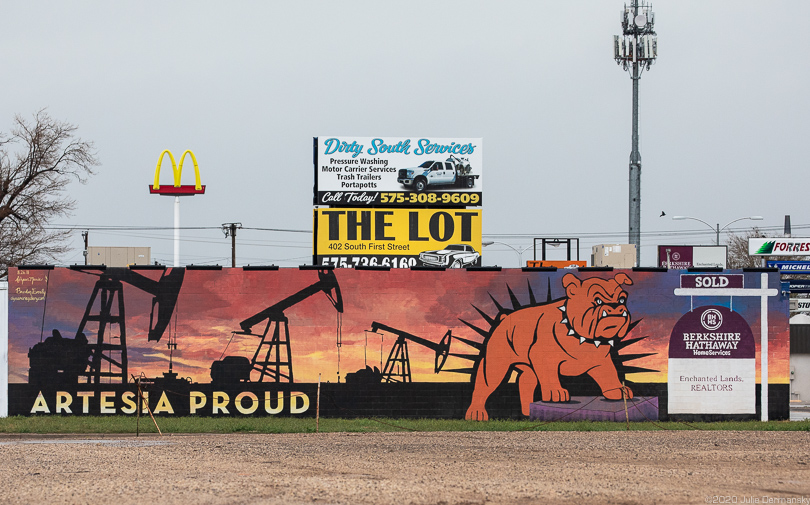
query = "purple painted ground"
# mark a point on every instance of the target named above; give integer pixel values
(596, 408)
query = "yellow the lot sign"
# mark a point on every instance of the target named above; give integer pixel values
(392, 237)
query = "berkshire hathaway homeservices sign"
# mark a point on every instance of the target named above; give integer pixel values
(681, 257)
(712, 363)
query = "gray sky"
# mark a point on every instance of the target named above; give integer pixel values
(246, 85)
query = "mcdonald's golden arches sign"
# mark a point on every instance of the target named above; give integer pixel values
(177, 189)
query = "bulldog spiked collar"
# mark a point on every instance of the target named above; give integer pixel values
(597, 341)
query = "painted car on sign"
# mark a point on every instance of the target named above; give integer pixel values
(452, 256)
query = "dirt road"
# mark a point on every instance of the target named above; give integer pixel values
(410, 468)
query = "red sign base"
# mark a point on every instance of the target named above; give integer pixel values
(177, 190)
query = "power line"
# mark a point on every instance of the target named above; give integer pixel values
(516, 235)
(206, 240)
(161, 228)
(661, 233)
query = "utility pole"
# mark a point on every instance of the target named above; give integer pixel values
(84, 236)
(636, 50)
(229, 229)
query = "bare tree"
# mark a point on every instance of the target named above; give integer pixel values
(37, 161)
(738, 249)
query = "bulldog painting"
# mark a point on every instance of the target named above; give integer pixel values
(570, 336)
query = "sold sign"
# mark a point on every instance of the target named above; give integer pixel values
(712, 281)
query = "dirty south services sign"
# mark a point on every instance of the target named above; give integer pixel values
(398, 171)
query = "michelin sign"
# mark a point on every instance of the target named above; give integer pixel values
(398, 172)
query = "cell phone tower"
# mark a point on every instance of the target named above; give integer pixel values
(635, 50)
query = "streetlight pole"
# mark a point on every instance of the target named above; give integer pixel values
(636, 50)
(718, 229)
(519, 252)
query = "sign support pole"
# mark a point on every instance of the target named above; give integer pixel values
(177, 191)
(763, 349)
(177, 231)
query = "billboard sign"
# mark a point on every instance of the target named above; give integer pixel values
(790, 267)
(681, 257)
(712, 363)
(796, 286)
(800, 304)
(397, 238)
(398, 172)
(769, 246)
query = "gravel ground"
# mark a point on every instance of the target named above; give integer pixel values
(410, 468)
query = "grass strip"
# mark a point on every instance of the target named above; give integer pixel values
(127, 425)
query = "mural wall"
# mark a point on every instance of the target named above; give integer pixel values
(461, 343)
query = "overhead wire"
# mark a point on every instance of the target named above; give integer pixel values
(155, 228)
(205, 240)
(581, 235)
(586, 238)
(657, 233)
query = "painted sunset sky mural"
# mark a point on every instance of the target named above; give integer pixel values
(211, 304)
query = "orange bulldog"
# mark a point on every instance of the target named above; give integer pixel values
(570, 336)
